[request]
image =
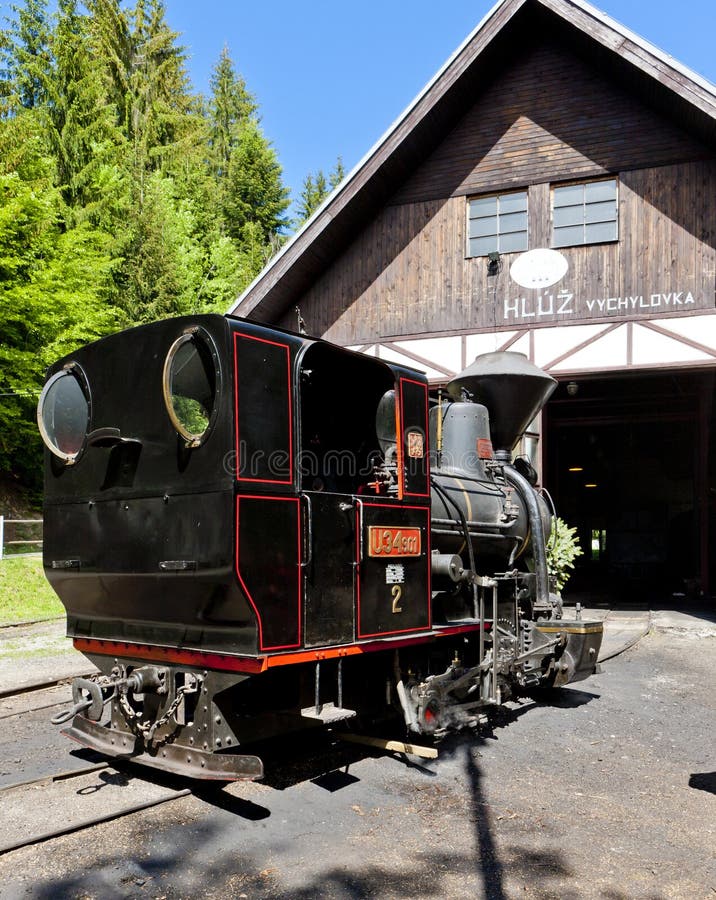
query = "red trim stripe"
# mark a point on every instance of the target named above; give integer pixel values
(428, 548)
(399, 440)
(244, 587)
(287, 348)
(254, 665)
(426, 455)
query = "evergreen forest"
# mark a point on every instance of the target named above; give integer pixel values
(125, 196)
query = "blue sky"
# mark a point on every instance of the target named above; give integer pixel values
(330, 77)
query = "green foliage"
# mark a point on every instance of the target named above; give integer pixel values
(562, 549)
(25, 56)
(337, 174)
(79, 122)
(316, 188)
(255, 194)
(231, 107)
(228, 270)
(53, 290)
(313, 191)
(123, 196)
(162, 263)
(191, 414)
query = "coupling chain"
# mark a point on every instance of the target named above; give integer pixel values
(147, 730)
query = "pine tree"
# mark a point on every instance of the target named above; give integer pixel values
(163, 259)
(231, 107)
(25, 57)
(247, 176)
(80, 123)
(160, 116)
(315, 190)
(147, 81)
(167, 192)
(337, 174)
(312, 192)
(247, 173)
(255, 193)
(114, 45)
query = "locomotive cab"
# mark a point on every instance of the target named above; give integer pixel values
(348, 494)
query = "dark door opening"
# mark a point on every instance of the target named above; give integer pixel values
(628, 462)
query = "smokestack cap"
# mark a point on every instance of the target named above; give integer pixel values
(510, 386)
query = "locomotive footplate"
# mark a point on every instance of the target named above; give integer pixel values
(179, 760)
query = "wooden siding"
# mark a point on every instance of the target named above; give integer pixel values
(628, 105)
(549, 117)
(406, 273)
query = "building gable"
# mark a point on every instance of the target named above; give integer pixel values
(549, 115)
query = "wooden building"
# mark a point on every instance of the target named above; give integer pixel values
(551, 191)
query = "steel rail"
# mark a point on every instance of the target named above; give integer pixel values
(32, 709)
(41, 685)
(90, 822)
(57, 776)
(31, 622)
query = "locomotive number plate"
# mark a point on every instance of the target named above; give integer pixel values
(384, 541)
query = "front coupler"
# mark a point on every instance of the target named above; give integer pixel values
(159, 716)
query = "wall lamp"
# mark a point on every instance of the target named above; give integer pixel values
(494, 263)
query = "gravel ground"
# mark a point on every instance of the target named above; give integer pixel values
(606, 790)
(29, 653)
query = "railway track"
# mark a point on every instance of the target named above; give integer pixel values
(53, 789)
(101, 792)
(30, 747)
(8, 625)
(32, 687)
(26, 710)
(12, 700)
(76, 799)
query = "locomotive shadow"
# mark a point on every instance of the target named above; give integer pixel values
(554, 698)
(211, 792)
(314, 756)
(215, 795)
(84, 754)
(561, 698)
(493, 859)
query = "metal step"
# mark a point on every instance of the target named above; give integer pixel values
(328, 712)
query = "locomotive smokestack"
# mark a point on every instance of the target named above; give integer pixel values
(510, 386)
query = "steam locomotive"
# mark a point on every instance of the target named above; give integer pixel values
(253, 530)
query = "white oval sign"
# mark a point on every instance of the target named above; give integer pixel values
(539, 268)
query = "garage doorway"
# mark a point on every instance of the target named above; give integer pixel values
(628, 461)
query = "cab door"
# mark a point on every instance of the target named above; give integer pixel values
(339, 395)
(328, 568)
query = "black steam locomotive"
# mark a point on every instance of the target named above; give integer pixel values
(253, 530)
